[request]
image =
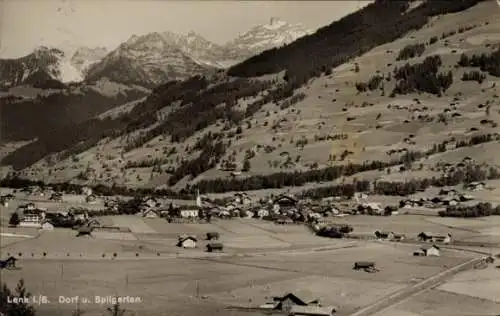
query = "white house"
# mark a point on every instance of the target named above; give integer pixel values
(187, 242)
(46, 226)
(31, 218)
(87, 191)
(431, 251)
(262, 213)
(189, 213)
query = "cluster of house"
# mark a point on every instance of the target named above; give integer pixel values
(446, 197)
(291, 304)
(187, 241)
(32, 216)
(423, 236)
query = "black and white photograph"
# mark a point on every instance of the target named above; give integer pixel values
(249, 158)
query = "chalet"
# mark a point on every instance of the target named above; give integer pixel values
(189, 213)
(9, 263)
(262, 213)
(428, 237)
(475, 186)
(9, 197)
(212, 247)
(451, 201)
(86, 191)
(46, 225)
(285, 201)
(150, 214)
(213, 236)
(187, 242)
(446, 239)
(428, 251)
(291, 304)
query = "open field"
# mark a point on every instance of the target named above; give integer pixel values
(483, 284)
(326, 275)
(439, 303)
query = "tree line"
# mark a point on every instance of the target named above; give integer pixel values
(467, 211)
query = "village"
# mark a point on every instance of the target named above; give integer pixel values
(91, 227)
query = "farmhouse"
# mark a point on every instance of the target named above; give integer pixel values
(443, 239)
(216, 246)
(428, 251)
(9, 263)
(429, 237)
(285, 202)
(291, 304)
(475, 186)
(187, 242)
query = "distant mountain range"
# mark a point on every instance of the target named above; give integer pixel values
(148, 59)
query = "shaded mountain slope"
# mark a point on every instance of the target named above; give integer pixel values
(232, 118)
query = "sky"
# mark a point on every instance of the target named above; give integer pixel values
(26, 24)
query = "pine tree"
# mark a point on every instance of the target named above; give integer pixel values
(14, 219)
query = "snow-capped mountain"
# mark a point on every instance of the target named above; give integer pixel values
(84, 57)
(43, 62)
(263, 37)
(197, 47)
(48, 64)
(146, 60)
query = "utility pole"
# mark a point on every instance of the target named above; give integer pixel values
(197, 289)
